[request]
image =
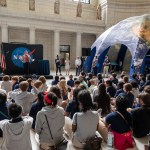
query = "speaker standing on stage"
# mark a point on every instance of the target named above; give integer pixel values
(26, 59)
(58, 65)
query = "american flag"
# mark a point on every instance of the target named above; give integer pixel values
(3, 62)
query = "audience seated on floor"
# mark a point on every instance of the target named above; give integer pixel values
(70, 82)
(55, 81)
(114, 78)
(3, 108)
(24, 98)
(120, 123)
(119, 88)
(56, 90)
(36, 107)
(44, 85)
(141, 116)
(73, 106)
(82, 127)
(6, 84)
(91, 106)
(146, 83)
(15, 82)
(110, 88)
(50, 122)
(128, 94)
(103, 100)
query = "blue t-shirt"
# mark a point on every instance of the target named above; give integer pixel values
(129, 97)
(71, 108)
(111, 91)
(117, 123)
(118, 92)
(15, 86)
(55, 82)
(70, 83)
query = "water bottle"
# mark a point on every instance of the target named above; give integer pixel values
(110, 140)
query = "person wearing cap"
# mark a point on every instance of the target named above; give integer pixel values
(50, 116)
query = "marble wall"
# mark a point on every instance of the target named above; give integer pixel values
(19, 20)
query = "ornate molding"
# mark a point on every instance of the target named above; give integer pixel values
(51, 23)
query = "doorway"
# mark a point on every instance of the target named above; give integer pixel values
(64, 53)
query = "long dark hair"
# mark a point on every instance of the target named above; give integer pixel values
(103, 100)
(41, 98)
(75, 98)
(122, 105)
(3, 99)
(85, 99)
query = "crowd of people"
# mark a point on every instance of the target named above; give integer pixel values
(75, 110)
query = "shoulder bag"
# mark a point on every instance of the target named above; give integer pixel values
(125, 140)
(59, 146)
(93, 143)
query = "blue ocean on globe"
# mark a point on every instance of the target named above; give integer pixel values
(16, 54)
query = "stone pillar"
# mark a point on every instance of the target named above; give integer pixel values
(32, 35)
(56, 44)
(97, 35)
(4, 32)
(78, 44)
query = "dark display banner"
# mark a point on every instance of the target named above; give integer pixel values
(13, 57)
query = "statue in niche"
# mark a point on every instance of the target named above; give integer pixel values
(98, 12)
(57, 6)
(3, 3)
(79, 9)
(32, 5)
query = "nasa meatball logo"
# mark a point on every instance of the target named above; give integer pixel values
(17, 56)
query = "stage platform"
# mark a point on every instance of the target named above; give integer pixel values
(48, 77)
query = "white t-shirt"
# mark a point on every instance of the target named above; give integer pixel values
(78, 62)
(86, 124)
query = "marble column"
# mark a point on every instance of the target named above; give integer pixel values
(4, 32)
(78, 44)
(97, 35)
(32, 35)
(56, 44)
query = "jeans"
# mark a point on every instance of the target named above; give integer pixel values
(58, 68)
